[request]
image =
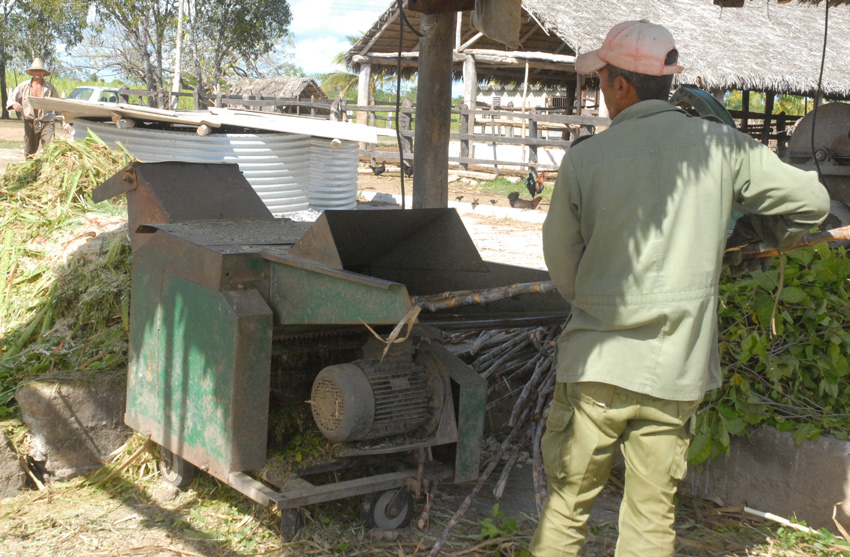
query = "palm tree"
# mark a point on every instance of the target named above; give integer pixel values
(342, 82)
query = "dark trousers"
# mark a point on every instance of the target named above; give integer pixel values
(35, 133)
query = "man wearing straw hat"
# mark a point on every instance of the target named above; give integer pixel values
(634, 239)
(38, 124)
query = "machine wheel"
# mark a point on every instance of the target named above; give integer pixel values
(175, 470)
(388, 510)
(290, 522)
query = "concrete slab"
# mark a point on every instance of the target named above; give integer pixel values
(12, 477)
(768, 472)
(75, 421)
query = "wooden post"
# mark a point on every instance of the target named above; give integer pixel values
(463, 127)
(768, 115)
(433, 112)
(745, 108)
(781, 134)
(579, 94)
(363, 91)
(524, 99)
(404, 123)
(533, 133)
(470, 81)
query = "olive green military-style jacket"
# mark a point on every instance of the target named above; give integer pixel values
(634, 241)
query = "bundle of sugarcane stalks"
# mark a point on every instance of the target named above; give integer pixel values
(517, 364)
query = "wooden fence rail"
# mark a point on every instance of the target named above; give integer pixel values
(473, 129)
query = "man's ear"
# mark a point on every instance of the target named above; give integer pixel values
(624, 90)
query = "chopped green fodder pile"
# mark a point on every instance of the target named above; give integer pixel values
(792, 375)
(65, 265)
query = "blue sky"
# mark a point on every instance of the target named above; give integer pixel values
(320, 28)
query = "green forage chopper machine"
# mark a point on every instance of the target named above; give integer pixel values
(251, 335)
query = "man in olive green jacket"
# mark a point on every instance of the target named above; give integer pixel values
(634, 240)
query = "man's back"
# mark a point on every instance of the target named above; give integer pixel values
(650, 201)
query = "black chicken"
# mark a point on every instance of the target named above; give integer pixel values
(379, 169)
(406, 168)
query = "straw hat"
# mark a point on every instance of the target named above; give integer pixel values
(37, 64)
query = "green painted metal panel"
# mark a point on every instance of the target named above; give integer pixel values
(199, 369)
(304, 293)
(472, 403)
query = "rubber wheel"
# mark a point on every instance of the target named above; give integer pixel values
(290, 522)
(388, 510)
(175, 470)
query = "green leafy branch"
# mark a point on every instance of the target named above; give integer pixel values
(794, 380)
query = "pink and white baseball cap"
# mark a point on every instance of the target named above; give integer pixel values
(635, 46)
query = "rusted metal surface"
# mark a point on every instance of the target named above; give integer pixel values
(167, 192)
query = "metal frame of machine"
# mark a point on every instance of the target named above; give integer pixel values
(231, 308)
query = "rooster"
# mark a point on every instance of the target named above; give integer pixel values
(377, 170)
(406, 168)
(535, 183)
(517, 203)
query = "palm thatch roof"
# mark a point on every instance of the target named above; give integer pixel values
(763, 46)
(284, 87)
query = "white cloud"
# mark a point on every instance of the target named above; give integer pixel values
(316, 55)
(319, 29)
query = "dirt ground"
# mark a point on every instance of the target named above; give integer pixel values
(11, 130)
(137, 514)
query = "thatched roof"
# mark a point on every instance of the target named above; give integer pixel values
(761, 46)
(279, 87)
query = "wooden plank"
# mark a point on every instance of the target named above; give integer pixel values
(294, 124)
(72, 109)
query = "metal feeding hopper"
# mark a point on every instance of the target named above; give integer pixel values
(249, 345)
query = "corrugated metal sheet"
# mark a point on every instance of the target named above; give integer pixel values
(279, 166)
(333, 175)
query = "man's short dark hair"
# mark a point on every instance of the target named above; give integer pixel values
(647, 86)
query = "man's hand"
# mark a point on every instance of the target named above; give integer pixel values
(16, 107)
(743, 234)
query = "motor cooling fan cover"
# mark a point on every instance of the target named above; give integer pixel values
(342, 402)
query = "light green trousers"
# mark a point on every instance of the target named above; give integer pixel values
(586, 423)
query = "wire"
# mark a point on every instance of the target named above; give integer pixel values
(398, 100)
(404, 19)
(818, 99)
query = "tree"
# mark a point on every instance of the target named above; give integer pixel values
(344, 84)
(237, 30)
(221, 37)
(32, 28)
(148, 27)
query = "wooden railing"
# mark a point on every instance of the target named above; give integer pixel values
(473, 129)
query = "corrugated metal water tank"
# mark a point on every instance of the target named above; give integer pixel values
(289, 172)
(333, 179)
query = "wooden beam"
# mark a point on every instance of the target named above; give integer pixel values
(440, 6)
(433, 114)
(522, 55)
(363, 91)
(470, 82)
(470, 42)
(377, 35)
